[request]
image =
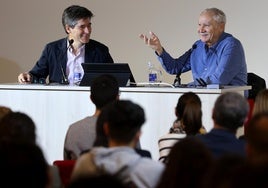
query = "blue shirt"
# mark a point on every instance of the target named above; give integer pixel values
(223, 63)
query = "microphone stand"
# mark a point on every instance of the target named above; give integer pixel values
(65, 81)
(177, 80)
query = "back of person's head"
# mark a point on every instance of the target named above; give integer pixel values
(230, 111)
(261, 102)
(223, 170)
(73, 13)
(187, 163)
(218, 15)
(192, 118)
(17, 127)
(23, 165)
(104, 89)
(257, 138)
(104, 180)
(4, 111)
(124, 119)
(189, 111)
(184, 100)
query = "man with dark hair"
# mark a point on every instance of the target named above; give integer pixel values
(61, 57)
(81, 134)
(229, 113)
(122, 124)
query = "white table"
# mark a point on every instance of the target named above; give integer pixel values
(54, 108)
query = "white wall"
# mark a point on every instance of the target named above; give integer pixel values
(26, 26)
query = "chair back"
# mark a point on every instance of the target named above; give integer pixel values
(65, 170)
(257, 83)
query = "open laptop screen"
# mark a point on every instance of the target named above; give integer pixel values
(120, 71)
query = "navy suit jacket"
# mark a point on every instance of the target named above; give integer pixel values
(54, 56)
(221, 142)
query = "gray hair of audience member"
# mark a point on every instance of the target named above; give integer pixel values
(17, 127)
(124, 119)
(74, 13)
(218, 15)
(230, 111)
(104, 89)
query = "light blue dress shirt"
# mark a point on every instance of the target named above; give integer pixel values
(223, 63)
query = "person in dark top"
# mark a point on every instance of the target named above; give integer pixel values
(229, 113)
(59, 58)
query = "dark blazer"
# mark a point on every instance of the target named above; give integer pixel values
(221, 142)
(54, 56)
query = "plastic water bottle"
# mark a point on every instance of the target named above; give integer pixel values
(152, 73)
(77, 73)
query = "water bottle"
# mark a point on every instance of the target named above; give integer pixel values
(152, 73)
(77, 73)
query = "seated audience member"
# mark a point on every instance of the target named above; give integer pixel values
(19, 128)
(223, 170)
(102, 138)
(81, 134)
(187, 164)
(229, 113)
(23, 165)
(188, 122)
(260, 105)
(261, 102)
(4, 111)
(123, 120)
(257, 139)
(100, 181)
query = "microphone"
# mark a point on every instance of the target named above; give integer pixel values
(65, 79)
(177, 80)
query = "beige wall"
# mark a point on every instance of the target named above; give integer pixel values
(26, 26)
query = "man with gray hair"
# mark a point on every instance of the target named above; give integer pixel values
(229, 113)
(217, 58)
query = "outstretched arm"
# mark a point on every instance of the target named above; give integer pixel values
(153, 42)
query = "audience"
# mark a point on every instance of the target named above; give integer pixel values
(81, 134)
(224, 168)
(261, 102)
(102, 138)
(189, 122)
(3, 111)
(229, 113)
(123, 120)
(257, 139)
(257, 104)
(17, 128)
(100, 181)
(23, 165)
(187, 164)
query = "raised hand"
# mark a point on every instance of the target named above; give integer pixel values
(153, 42)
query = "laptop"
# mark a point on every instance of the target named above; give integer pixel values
(120, 71)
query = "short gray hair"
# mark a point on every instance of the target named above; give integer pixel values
(230, 110)
(218, 15)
